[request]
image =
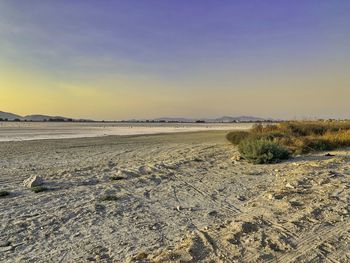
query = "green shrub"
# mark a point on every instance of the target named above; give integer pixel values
(270, 135)
(235, 137)
(273, 142)
(260, 151)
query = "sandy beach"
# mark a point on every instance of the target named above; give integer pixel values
(176, 198)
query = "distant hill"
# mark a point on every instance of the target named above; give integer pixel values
(9, 116)
(12, 117)
(239, 119)
(224, 119)
(45, 118)
(167, 119)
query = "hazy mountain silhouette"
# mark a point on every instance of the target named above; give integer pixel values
(9, 116)
(225, 119)
(212, 120)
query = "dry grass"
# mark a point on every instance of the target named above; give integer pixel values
(237, 136)
(299, 136)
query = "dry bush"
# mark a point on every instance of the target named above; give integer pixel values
(260, 151)
(297, 137)
(236, 137)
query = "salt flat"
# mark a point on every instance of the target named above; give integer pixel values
(178, 198)
(23, 131)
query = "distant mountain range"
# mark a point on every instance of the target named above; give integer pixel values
(225, 119)
(45, 117)
(12, 117)
(9, 116)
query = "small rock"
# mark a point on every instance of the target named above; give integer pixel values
(119, 175)
(144, 170)
(241, 198)
(179, 208)
(154, 227)
(213, 213)
(236, 157)
(33, 181)
(288, 185)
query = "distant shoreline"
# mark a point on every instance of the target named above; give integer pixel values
(142, 122)
(28, 131)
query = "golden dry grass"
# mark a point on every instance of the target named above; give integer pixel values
(298, 136)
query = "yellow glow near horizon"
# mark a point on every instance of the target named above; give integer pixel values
(24, 92)
(92, 61)
(110, 97)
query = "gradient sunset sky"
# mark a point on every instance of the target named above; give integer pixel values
(112, 59)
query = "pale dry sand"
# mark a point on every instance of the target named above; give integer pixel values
(25, 131)
(181, 199)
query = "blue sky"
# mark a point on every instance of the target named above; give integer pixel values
(178, 58)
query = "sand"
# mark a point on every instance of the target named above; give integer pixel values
(24, 131)
(179, 198)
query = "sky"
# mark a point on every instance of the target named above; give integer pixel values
(113, 59)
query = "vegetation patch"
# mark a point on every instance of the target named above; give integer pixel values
(272, 143)
(4, 193)
(237, 136)
(260, 151)
(39, 189)
(108, 198)
(117, 177)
